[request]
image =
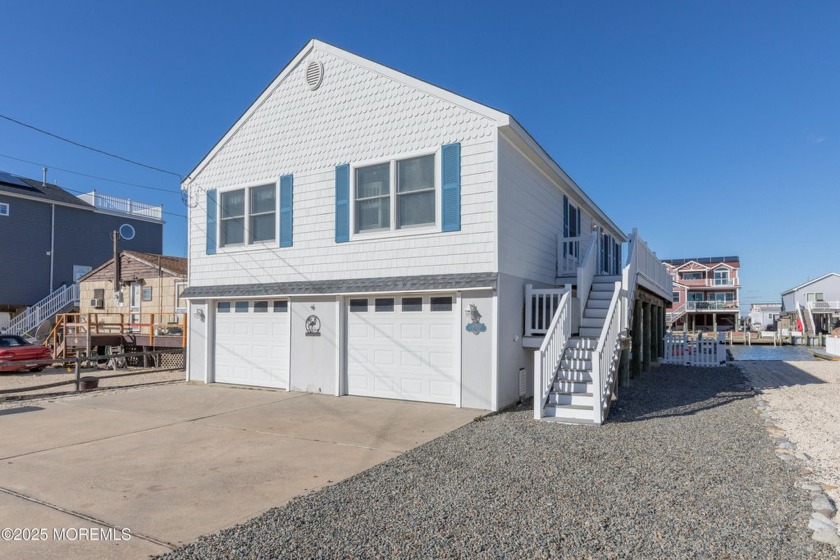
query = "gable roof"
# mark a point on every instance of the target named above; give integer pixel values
(22, 187)
(169, 266)
(823, 277)
(503, 120)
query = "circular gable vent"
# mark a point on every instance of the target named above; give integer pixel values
(314, 74)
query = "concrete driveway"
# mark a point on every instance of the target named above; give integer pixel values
(133, 473)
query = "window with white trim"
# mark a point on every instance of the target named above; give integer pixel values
(396, 194)
(180, 303)
(4, 209)
(248, 215)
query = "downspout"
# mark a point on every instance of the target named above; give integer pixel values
(52, 243)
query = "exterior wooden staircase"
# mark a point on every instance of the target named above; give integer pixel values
(577, 331)
(572, 395)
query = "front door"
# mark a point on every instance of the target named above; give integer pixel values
(135, 297)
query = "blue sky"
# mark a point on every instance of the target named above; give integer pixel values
(713, 127)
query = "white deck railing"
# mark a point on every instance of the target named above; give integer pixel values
(606, 354)
(824, 306)
(705, 351)
(547, 360)
(123, 205)
(569, 254)
(711, 306)
(43, 310)
(540, 306)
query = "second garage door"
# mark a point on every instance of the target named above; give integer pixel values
(403, 347)
(252, 343)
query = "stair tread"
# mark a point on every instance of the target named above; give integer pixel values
(571, 406)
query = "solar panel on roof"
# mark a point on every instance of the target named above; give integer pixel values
(10, 179)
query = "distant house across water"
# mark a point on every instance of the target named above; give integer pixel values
(706, 293)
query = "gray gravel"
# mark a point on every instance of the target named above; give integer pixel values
(683, 469)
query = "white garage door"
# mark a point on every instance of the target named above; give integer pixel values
(403, 347)
(252, 343)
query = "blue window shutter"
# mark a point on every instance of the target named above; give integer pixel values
(451, 187)
(565, 223)
(342, 203)
(212, 209)
(286, 191)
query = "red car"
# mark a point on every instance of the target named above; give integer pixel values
(14, 348)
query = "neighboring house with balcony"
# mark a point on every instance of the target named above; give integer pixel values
(815, 302)
(763, 315)
(358, 231)
(706, 293)
(51, 238)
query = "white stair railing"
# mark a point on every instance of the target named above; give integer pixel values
(551, 351)
(43, 310)
(586, 272)
(605, 357)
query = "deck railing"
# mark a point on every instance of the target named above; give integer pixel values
(45, 309)
(123, 205)
(145, 327)
(569, 253)
(551, 351)
(606, 354)
(540, 306)
(711, 306)
(824, 306)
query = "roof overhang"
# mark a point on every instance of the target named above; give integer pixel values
(394, 284)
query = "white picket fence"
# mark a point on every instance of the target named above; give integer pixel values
(707, 350)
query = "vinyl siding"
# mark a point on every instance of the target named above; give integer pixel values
(82, 237)
(356, 115)
(530, 219)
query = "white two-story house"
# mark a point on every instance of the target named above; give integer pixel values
(358, 231)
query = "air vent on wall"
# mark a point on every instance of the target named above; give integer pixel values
(314, 74)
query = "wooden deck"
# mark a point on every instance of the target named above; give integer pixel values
(83, 332)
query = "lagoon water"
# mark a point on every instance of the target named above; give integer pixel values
(756, 352)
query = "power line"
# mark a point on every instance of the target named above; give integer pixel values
(97, 150)
(170, 191)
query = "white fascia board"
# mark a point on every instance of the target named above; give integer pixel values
(500, 118)
(521, 138)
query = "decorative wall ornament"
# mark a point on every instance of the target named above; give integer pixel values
(313, 326)
(476, 326)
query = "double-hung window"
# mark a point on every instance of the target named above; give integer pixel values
(248, 215)
(395, 195)
(4, 209)
(721, 277)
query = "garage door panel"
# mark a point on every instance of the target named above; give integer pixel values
(252, 348)
(403, 355)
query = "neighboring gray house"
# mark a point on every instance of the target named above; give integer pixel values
(361, 232)
(817, 302)
(50, 237)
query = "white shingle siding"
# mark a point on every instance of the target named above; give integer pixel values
(531, 218)
(355, 115)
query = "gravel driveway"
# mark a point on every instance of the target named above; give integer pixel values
(684, 469)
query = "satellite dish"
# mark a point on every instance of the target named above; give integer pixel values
(126, 232)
